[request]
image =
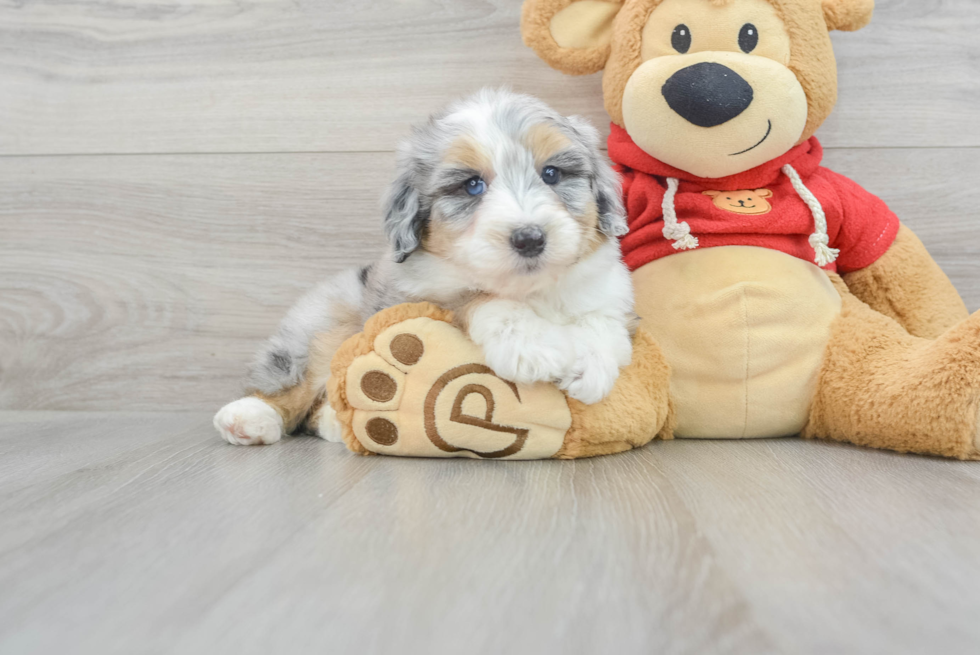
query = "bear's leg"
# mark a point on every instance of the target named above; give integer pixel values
(883, 388)
(413, 384)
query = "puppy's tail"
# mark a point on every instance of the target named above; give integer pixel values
(332, 305)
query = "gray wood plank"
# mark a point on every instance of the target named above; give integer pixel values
(164, 273)
(132, 547)
(121, 77)
(858, 539)
(146, 282)
(600, 556)
(184, 544)
(39, 446)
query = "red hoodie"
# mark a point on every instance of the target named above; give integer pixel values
(759, 207)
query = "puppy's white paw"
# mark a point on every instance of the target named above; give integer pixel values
(328, 426)
(249, 422)
(520, 346)
(526, 360)
(592, 377)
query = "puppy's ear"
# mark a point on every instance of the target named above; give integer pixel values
(609, 200)
(606, 185)
(405, 216)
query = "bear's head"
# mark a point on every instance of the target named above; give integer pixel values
(711, 87)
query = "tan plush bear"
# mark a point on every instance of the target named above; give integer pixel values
(777, 298)
(820, 315)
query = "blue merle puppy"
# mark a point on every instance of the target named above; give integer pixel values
(504, 212)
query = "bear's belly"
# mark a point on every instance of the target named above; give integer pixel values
(744, 330)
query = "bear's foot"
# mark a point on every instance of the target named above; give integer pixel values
(412, 384)
(881, 387)
(975, 455)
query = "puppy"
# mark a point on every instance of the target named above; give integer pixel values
(504, 212)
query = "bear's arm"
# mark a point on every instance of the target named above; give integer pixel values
(884, 264)
(907, 284)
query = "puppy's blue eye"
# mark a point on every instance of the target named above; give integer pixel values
(475, 186)
(551, 175)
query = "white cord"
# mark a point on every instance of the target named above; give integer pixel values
(819, 240)
(679, 233)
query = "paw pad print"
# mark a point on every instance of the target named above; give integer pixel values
(425, 390)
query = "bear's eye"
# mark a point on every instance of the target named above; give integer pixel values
(748, 38)
(681, 39)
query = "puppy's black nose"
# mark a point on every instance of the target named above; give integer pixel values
(707, 94)
(528, 241)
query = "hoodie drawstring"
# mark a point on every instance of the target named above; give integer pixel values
(680, 232)
(819, 240)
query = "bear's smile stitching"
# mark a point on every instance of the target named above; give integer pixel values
(768, 132)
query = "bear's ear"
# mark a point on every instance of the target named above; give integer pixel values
(713, 194)
(573, 36)
(763, 193)
(847, 15)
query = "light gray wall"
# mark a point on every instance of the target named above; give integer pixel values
(171, 180)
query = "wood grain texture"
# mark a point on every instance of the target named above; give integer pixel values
(162, 539)
(142, 282)
(147, 282)
(127, 77)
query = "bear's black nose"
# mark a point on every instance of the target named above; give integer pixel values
(707, 94)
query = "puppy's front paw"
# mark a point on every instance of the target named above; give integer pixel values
(249, 422)
(529, 360)
(592, 377)
(520, 346)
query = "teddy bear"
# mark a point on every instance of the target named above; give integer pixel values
(776, 297)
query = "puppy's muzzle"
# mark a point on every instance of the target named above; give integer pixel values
(528, 241)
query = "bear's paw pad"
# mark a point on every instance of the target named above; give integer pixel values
(424, 390)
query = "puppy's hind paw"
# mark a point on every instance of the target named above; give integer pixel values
(249, 421)
(327, 426)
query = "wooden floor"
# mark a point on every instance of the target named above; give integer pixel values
(142, 533)
(174, 174)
